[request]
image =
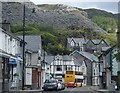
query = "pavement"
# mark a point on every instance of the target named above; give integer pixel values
(97, 89)
(23, 91)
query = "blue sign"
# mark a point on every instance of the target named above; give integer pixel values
(13, 62)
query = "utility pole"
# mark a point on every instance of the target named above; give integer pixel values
(23, 70)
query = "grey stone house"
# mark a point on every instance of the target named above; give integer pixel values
(95, 46)
(81, 44)
(92, 68)
(33, 60)
(105, 60)
(76, 43)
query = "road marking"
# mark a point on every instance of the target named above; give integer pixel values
(72, 89)
(92, 90)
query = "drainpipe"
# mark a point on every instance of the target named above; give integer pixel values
(54, 67)
(91, 72)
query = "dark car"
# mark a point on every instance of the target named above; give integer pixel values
(50, 85)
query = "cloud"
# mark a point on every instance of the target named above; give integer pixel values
(63, 1)
(107, 6)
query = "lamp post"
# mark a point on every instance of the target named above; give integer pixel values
(23, 69)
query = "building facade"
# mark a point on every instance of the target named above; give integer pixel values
(105, 60)
(11, 60)
(91, 65)
(87, 45)
(59, 64)
(33, 61)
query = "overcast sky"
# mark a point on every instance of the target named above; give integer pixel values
(108, 5)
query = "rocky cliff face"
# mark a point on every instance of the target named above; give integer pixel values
(54, 15)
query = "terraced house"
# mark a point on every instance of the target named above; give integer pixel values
(33, 61)
(82, 44)
(11, 59)
(91, 66)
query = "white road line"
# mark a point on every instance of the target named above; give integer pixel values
(92, 90)
(72, 89)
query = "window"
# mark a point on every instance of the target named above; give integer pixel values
(83, 69)
(59, 68)
(94, 72)
(50, 81)
(72, 43)
(79, 80)
(78, 73)
(69, 67)
(65, 67)
(69, 72)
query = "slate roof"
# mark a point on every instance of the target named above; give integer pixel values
(105, 48)
(78, 63)
(77, 40)
(33, 42)
(83, 41)
(67, 58)
(49, 59)
(96, 41)
(10, 34)
(87, 55)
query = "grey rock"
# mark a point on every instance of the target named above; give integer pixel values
(53, 15)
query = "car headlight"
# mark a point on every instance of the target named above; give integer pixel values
(56, 85)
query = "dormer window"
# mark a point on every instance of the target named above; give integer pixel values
(102, 42)
(72, 43)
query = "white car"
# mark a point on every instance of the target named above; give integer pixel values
(59, 85)
(114, 83)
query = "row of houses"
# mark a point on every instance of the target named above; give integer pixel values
(93, 57)
(108, 65)
(10, 58)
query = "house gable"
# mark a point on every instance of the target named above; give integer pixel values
(103, 43)
(72, 43)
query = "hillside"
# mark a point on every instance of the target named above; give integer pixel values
(96, 12)
(105, 20)
(55, 23)
(62, 16)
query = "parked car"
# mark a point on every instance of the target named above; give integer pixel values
(115, 84)
(51, 84)
(59, 85)
(63, 86)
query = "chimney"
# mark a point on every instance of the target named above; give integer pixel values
(6, 26)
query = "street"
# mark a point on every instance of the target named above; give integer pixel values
(67, 90)
(79, 89)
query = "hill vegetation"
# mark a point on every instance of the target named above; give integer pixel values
(54, 39)
(55, 23)
(106, 20)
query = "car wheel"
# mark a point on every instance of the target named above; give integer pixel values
(45, 89)
(56, 89)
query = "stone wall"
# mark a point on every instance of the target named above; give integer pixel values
(89, 72)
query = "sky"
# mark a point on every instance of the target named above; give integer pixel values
(107, 5)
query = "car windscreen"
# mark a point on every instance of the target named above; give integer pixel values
(50, 81)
